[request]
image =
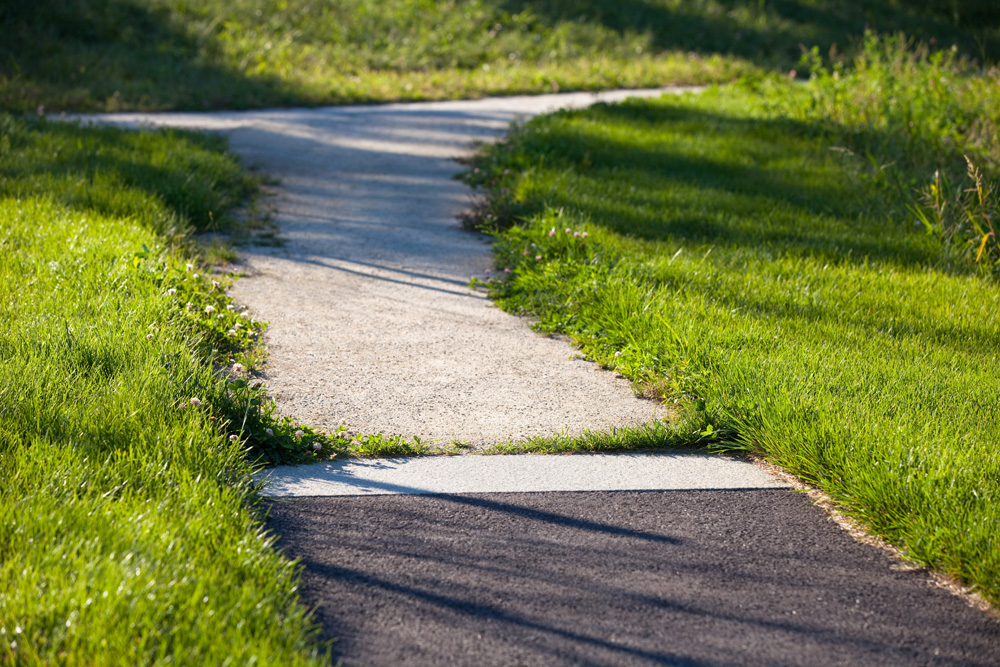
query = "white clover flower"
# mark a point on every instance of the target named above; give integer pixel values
(195, 401)
(237, 326)
(171, 291)
(552, 232)
(229, 306)
(618, 354)
(209, 310)
(238, 368)
(317, 447)
(189, 267)
(215, 284)
(569, 231)
(576, 235)
(299, 433)
(149, 336)
(245, 315)
(234, 438)
(538, 258)
(584, 235)
(269, 432)
(231, 332)
(220, 316)
(196, 276)
(189, 306)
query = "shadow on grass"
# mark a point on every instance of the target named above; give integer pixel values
(768, 190)
(672, 175)
(115, 173)
(101, 55)
(770, 34)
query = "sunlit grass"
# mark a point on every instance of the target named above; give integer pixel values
(713, 248)
(128, 527)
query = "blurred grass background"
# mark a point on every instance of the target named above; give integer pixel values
(112, 55)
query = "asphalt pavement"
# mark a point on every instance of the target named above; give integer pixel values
(704, 577)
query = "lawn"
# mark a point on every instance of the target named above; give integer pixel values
(114, 55)
(766, 266)
(777, 259)
(129, 532)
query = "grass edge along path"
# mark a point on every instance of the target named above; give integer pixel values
(714, 249)
(130, 530)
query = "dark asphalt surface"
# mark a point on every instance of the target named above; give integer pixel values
(755, 577)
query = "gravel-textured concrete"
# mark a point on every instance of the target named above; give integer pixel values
(525, 473)
(371, 319)
(635, 578)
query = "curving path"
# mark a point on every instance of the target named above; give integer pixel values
(372, 322)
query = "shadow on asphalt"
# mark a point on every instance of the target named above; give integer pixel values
(624, 578)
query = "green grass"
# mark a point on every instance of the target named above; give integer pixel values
(129, 532)
(170, 54)
(779, 292)
(716, 249)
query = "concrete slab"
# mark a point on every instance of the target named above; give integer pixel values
(516, 473)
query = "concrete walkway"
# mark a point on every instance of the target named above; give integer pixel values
(372, 322)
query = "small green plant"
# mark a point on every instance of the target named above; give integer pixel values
(964, 217)
(906, 109)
